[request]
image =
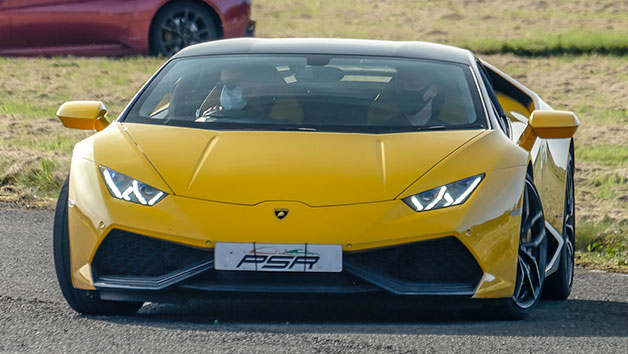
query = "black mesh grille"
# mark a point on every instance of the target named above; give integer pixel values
(128, 254)
(444, 260)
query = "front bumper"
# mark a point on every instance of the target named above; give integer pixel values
(477, 239)
(440, 266)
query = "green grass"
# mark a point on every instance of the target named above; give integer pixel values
(574, 42)
(38, 179)
(603, 115)
(590, 235)
(610, 186)
(43, 178)
(603, 260)
(607, 154)
(45, 143)
(36, 87)
(603, 244)
(27, 108)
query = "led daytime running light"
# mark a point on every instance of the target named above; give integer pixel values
(471, 188)
(126, 188)
(444, 196)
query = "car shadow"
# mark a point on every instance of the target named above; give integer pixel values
(282, 314)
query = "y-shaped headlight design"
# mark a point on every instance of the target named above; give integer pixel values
(444, 196)
(126, 188)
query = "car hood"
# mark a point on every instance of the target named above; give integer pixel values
(315, 168)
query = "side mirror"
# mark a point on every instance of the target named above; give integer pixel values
(549, 125)
(83, 115)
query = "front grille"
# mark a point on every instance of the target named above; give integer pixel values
(440, 261)
(436, 267)
(126, 254)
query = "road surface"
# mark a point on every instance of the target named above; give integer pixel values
(35, 318)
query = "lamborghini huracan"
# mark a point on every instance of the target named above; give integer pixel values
(326, 166)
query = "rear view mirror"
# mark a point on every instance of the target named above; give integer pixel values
(83, 115)
(549, 125)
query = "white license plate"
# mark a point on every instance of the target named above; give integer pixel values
(276, 257)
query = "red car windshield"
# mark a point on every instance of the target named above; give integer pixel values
(311, 92)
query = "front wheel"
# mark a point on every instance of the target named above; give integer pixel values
(86, 302)
(531, 260)
(558, 285)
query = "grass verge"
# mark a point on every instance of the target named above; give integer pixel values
(575, 42)
(603, 261)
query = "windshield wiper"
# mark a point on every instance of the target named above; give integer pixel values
(435, 127)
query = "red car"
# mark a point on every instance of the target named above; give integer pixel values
(118, 27)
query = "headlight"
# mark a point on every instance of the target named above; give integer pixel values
(126, 188)
(441, 197)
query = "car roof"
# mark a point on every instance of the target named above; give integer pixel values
(365, 47)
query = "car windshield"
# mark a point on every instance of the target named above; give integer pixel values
(311, 93)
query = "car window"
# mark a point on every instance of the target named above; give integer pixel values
(311, 92)
(502, 86)
(494, 102)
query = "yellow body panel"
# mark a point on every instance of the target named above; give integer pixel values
(85, 115)
(318, 169)
(510, 105)
(487, 223)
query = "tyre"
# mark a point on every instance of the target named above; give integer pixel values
(86, 302)
(531, 259)
(179, 25)
(558, 285)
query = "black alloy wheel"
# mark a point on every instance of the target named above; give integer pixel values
(532, 257)
(179, 25)
(558, 285)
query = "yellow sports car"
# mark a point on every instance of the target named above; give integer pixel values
(319, 166)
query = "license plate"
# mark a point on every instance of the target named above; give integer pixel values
(275, 257)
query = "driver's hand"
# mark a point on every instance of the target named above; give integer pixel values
(211, 110)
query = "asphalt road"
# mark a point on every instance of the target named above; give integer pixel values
(35, 318)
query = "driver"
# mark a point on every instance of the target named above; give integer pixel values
(418, 98)
(236, 87)
(231, 96)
